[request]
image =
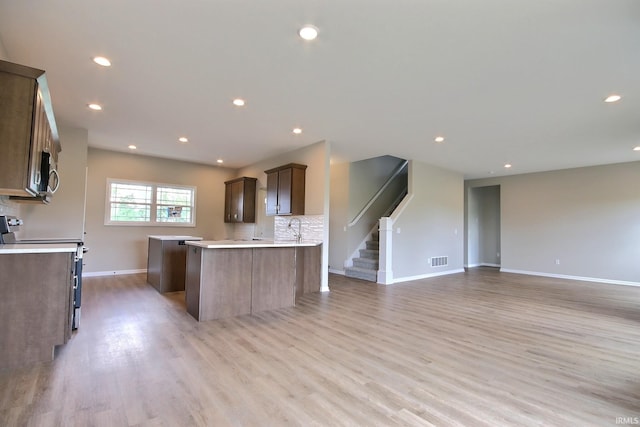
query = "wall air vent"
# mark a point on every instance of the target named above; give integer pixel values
(439, 261)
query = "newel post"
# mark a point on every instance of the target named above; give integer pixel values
(385, 273)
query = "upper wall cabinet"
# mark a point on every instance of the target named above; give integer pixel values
(285, 189)
(240, 200)
(28, 134)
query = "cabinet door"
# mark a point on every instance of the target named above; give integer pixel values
(16, 113)
(284, 192)
(272, 193)
(227, 202)
(237, 201)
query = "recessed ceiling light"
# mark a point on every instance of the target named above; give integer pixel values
(439, 139)
(238, 102)
(220, 161)
(507, 165)
(132, 147)
(308, 32)
(95, 107)
(613, 98)
(297, 131)
(101, 60)
(636, 148)
(183, 140)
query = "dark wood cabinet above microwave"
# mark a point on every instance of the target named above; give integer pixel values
(28, 134)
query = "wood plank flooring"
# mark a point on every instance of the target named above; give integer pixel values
(480, 348)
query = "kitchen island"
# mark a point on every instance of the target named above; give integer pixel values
(166, 262)
(227, 278)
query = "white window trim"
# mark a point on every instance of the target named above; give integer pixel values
(153, 222)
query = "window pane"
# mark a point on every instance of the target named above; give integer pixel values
(173, 214)
(130, 193)
(130, 212)
(174, 196)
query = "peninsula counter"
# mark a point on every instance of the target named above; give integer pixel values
(227, 278)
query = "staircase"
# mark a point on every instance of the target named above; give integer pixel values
(365, 267)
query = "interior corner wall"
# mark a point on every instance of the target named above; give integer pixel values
(67, 205)
(431, 225)
(580, 223)
(338, 216)
(114, 248)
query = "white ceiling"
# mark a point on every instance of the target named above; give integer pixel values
(519, 81)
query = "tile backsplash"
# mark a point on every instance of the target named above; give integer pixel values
(311, 227)
(243, 231)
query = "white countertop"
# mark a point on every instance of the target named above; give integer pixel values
(231, 244)
(175, 237)
(38, 248)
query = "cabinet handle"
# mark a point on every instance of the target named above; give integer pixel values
(55, 172)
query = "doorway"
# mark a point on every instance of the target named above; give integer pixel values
(483, 222)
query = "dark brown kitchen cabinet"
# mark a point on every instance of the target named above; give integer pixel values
(240, 200)
(36, 307)
(285, 189)
(28, 133)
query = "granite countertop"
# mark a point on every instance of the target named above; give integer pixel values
(37, 248)
(230, 244)
(175, 237)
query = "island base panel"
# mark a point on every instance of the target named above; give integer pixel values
(274, 277)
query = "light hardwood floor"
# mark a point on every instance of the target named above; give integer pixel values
(480, 348)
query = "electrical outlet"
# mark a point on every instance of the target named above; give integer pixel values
(557, 261)
(398, 230)
(498, 254)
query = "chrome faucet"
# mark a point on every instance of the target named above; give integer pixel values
(297, 235)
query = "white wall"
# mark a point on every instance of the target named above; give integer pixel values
(3, 52)
(586, 218)
(338, 216)
(124, 248)
(431, 225)
(366, 177)
(64, 216)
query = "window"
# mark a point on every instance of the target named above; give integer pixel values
(144, 203)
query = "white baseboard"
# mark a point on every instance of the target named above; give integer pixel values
(481, 264)
(426, 276)
(112, 273)
(568, 277)
(334, 271)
